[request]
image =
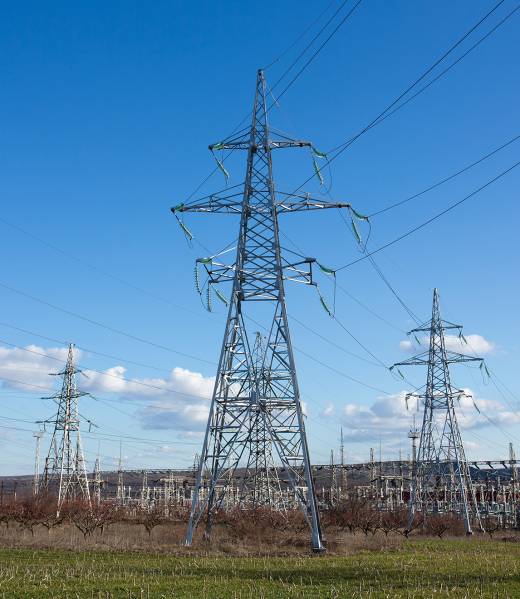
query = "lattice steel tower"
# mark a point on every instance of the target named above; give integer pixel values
(441, 460)
(245, 394)
(260, 483)
(65, 469)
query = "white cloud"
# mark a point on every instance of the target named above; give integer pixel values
(174, 414)
(179, 400)
(389, 418)
(476, 344)
(329, 410)
(31, 365)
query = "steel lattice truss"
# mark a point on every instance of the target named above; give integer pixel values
(441, 461)
(260, 483)
(256, 398)
(65, 466)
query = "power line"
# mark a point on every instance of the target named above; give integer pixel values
(352, 336)
(445, 180)
(103, 326)
(95, 268)
(301, 36)
(346, 292)
(332, 343)
(315, 54)
(379, 118)
(85, 349)
(449, 67)
(430, 220)
(106, 374)
(381, 275)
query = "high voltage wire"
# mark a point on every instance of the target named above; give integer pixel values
(347, 293)
(104, 326)
(107, 374)
(338, 150)
(95, 268)
(85, 349)
(430, 220)
(330, 342)
(328, 366)
(315, 54)
(285, 73)
(108, 435)
(449, 67)
(381, 275)
(300, 37)
(444, 180)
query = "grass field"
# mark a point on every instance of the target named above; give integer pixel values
(433, 568)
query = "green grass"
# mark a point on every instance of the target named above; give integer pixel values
(463, 568)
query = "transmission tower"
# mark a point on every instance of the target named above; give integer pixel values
(257, 277)
(261, 485)
(441, 459)
(65, 467)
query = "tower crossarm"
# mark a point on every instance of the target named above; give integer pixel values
(233, 204)
(297, 271)
(244, 143)
(428, 327)
(456, 358)
(419, 360)
(451, 358)
(291, 202)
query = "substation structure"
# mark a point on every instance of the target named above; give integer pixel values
(385, 485)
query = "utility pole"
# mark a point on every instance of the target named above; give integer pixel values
(97, 482)
(441, 459)
(414, 434)
(257, 278)
(120, 491)
(514, 482)
(373, 473)
(65, 463)
(145, 491)
(343, 476)
(36, 481)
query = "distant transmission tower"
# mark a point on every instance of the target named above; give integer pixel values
(261, 485)
(65, 468)
(441, 460)
(258, 277)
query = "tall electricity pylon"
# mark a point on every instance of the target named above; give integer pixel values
(441, 459)
(65, 463)
(258, 287)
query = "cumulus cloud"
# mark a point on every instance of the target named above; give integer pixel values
(329, 410)
(177, 401)
(181, 381)
(476, 344)
(29, 368)
(388, 416)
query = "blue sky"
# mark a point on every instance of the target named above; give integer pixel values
(107, 110)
